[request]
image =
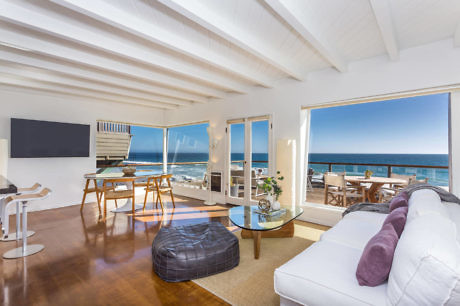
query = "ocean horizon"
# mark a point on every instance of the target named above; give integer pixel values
(435, 176)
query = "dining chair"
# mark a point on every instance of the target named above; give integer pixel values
(336, 191)
(110, 193)
(96, 189)
(150, 186)
(161, 188)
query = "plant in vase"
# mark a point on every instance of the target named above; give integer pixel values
(368, 174)
(271, 187)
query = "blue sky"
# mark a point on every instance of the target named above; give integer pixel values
(259, 137)
(146, 139)
(417, 125)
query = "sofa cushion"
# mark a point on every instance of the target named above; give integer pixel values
(355, 229)
(397, 218)
(325, 274)
(426, 263)
(375, 262)
(425, 201)
(398, 201)
(453, 210)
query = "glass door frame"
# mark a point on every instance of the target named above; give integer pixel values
(247, 163)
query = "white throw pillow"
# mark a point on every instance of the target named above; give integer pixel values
(426, 264)
(424, 202)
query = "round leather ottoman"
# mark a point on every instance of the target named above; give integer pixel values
(193, 251)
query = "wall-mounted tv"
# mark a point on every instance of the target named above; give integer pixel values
(33, 138)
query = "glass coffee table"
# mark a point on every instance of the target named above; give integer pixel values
(256, 225)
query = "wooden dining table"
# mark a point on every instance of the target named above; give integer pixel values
(138, 175)
(375, 184)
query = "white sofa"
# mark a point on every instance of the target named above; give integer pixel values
(425, 269)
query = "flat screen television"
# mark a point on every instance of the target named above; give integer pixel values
(34, 138)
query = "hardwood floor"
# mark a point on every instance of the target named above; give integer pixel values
(86, 262)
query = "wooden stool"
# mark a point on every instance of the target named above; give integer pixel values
(25, 250)
(4, 215)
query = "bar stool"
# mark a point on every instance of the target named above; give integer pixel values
(25, 250)
(4, 215)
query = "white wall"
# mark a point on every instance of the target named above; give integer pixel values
(63, 175)
(436, 64)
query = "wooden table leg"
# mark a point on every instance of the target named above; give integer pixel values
(373, 190)
(257, 235)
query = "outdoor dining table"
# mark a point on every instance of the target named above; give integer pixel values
(138, 175)
(376, 183)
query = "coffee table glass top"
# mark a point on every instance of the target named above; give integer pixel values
(247, 217)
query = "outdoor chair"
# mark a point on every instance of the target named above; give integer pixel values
(388, 192)
(336, 191)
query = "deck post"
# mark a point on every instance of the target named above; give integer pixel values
(389, 171)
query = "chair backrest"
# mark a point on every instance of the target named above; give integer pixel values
(415, 181)
(118, 180)
(310, 172)
(407, 178)
(29, 189)
(334, 179)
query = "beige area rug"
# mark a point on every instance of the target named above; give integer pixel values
(251, 283)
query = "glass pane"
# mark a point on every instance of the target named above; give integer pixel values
(389, 138)
(259, 166)
(143, 146)
(188, 154)
(237, 139)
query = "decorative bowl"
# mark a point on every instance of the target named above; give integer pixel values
(129, 171)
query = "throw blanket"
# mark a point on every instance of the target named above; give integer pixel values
(384, 208)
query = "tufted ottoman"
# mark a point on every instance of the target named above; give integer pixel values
(193, 251)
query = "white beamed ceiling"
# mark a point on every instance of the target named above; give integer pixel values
(170, 54)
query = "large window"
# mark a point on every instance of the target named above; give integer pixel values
(402, 139)
(188, 154)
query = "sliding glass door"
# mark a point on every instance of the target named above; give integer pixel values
(249, 146)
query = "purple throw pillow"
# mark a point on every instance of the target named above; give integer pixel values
(398, 219)
(398, 201)
(377, 258)
(404, 194)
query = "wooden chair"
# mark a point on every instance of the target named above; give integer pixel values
(151, 187)
(388, 192)
(336, 191)
(110, 193)
(95, 189)
(160, 188)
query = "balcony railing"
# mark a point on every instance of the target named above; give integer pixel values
(389, 167)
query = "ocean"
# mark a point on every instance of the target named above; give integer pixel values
(439, 177)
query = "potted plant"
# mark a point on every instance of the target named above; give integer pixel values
(368, 174)
(271, 187)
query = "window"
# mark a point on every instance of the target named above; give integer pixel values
(405, 139)
(188, 154)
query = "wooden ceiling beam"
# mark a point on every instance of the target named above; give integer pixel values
(203, 16)
(33, 20)
(11, 80)
(382, 14)
(25, 42)
(119, 19)
(17, 56)
(60, 79)
(289, 13)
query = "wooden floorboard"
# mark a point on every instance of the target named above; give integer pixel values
(87, 262)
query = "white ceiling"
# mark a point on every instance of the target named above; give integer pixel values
(176, 53)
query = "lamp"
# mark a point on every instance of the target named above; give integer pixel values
(212, 145)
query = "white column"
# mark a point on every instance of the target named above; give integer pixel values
(285, 163)
(4, 157)
(455, 142)
(165, 150)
